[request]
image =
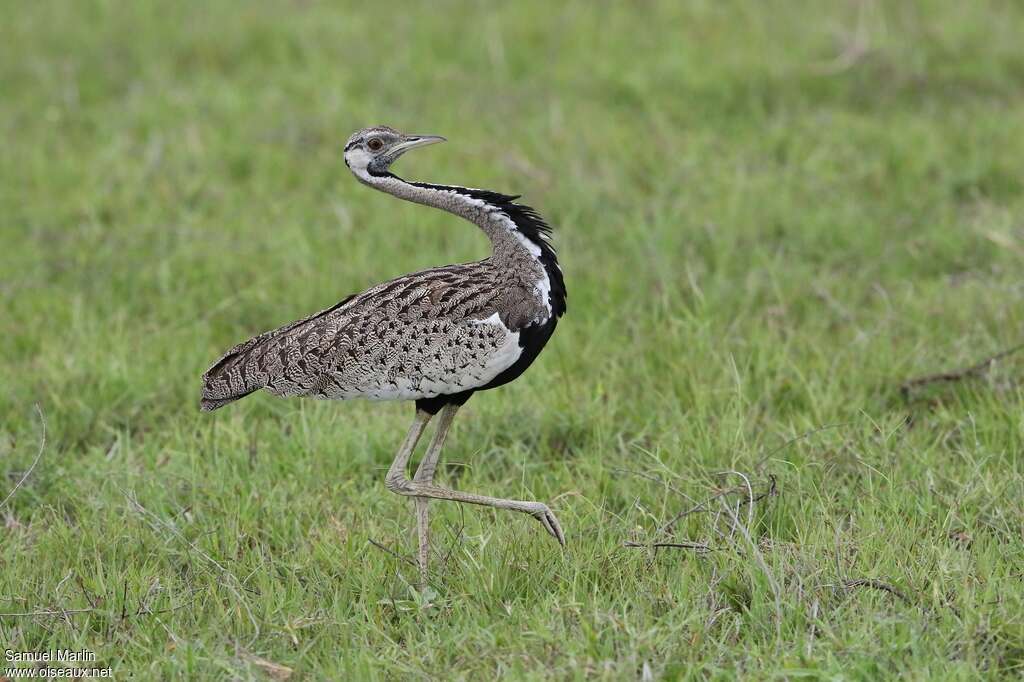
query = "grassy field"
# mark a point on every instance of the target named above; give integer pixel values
(770, 216)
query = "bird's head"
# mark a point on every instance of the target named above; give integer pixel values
(372, 150)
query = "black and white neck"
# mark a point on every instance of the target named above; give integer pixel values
(517, 232)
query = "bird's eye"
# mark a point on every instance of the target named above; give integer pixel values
(375, 144)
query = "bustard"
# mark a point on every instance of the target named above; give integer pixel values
(435, 337)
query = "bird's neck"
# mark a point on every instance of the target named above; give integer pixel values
(517, 232)
(507, 239)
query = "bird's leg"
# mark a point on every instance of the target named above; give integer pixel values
(537, 510)
(425, 474)
(397, 470)
(398, 482)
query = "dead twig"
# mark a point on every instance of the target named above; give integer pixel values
(228, 579)
(46, 612)
(456, 536)
(392, 552)
(796, 439)
(879, 585)
(276, 671)
(755, 550)
(39, 454)
(65, 612)
(973, 371)
(156, 523)
(657, 479)
(706, 505)
(698, 546)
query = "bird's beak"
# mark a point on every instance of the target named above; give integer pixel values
(414, 141)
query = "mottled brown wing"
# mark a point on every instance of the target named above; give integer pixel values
(415, 335)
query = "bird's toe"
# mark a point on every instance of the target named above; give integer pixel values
(550, 522)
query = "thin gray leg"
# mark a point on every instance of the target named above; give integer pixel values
(397, 469)
(425, 474)
(398, 482)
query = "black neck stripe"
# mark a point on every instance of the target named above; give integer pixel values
(528, 222)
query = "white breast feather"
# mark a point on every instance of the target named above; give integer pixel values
(478, 373)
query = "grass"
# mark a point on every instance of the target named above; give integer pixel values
(770, 215)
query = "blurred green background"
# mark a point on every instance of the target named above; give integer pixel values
(769, 215)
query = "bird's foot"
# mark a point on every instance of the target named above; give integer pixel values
(543, 513)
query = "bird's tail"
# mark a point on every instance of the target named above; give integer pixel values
(250, 366)
(238, 373)
(210, 404)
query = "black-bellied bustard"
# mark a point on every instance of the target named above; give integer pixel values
(435, 337)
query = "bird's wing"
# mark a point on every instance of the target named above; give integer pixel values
(430, 333)
(235, 375)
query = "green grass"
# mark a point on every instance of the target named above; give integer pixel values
(764, 228)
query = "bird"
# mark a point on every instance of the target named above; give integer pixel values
(434, 337)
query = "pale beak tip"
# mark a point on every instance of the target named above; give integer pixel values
(415, 141)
